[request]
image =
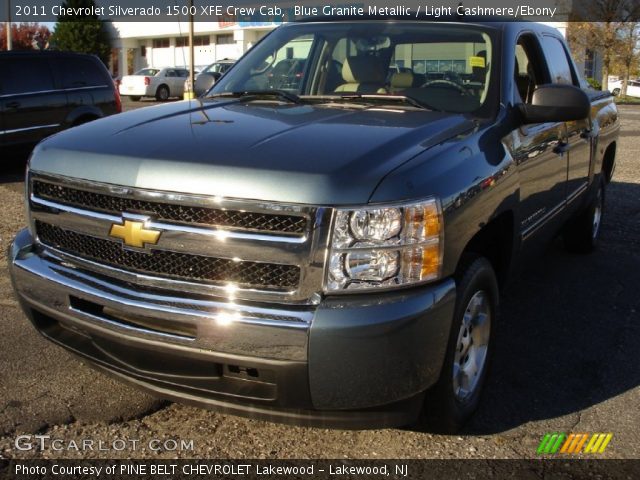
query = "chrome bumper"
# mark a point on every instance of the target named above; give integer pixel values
(350, 363)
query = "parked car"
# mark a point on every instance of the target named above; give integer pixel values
(152, 82)
(42, 93)
(215, 70)
(330, 254)
(633, 88)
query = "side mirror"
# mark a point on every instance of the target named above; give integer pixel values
(204, 82)
(556, 103)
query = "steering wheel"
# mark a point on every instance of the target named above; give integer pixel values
(446, 84)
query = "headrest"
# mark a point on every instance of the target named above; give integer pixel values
(363, 70)
(402, 80)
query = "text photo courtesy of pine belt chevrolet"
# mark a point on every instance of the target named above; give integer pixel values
(322, 237)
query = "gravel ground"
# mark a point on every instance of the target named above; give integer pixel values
(566, 362)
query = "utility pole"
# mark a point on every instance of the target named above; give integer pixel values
(191, 52)
(8, 25)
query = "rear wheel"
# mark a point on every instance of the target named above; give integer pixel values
(616, 91)
(581, 234)
(162, 93)
(134, 98)
(455, 397)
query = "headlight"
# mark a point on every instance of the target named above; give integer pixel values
(382, 247)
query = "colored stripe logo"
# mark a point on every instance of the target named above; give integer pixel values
(573, 443)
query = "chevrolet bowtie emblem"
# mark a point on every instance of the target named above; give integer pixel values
(133, 234)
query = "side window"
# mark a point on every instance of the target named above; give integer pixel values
(170, 73)
(557, 61)
(529, 71)
(26, 75)
(77, 72)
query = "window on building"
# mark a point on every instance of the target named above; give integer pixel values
(201, 40)
(182, 42)
(224, 39)
(160, 43)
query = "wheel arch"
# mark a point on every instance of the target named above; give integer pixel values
(496, 241)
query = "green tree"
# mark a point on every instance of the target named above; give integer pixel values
(84, 34)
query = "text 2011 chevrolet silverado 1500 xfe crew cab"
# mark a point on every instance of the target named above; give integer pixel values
(321, 239)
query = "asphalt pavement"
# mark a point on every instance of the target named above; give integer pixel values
(566, 361)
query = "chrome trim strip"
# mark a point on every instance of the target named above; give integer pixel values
(213, 201)
(15, 130)
(73, 89)
(571, 197)
(548, 216)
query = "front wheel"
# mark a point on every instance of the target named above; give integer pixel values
(455, 397)
(616, 92)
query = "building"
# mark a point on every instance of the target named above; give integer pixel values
(138, 45)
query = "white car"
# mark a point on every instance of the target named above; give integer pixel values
(152, 82)
(633, 88)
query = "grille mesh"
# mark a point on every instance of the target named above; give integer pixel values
(182, 266)
(183, 214)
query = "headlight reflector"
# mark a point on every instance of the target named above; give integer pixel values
(383, 247)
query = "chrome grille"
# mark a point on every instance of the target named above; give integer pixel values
(168, 264)
(180, 214)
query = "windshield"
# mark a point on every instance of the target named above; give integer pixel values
(439, 66)
(150, 72)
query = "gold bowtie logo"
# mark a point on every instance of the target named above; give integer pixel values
(133, 234)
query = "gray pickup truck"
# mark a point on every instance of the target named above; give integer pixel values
(322, 238)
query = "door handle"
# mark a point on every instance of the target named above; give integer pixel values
(587, 133)
(13, 104)
(561, 147)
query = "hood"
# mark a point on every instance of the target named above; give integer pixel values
(312, 154)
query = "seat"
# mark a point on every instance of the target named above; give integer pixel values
(401, 81)
(364, 74)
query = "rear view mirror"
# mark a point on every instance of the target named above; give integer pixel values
(556, 103)
(204, 82)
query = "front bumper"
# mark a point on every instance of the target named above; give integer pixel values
(358, 361)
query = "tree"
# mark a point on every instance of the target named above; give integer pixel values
(23, 34)
(602, 31)
(626, 59)
(84, 34)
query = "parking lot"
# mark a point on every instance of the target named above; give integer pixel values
(566, 361)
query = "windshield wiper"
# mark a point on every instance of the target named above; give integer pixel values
(281, 94)
(393, 98)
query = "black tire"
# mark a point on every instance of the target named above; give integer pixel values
(446, 411)
(162, 94)
(581, 234)
(616, 92)
(134, 98)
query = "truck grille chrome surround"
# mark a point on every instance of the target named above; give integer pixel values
(171, 264)
(181, 214)
(271, 252)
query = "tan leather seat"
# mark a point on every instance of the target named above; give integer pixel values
(401, 81)
(363, 75)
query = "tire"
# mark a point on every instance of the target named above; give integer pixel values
(452, 401)
(134, 98)
(581, 234)
(162, 94)
(616, 92)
